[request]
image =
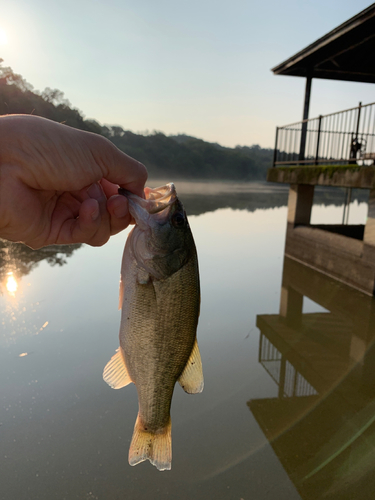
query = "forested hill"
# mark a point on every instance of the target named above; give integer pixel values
(173, 157)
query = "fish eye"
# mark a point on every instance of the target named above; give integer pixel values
(178, 219)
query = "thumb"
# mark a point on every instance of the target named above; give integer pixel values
(121, 169)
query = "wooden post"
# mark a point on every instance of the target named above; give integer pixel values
(369, 235)
(301, 197)
(291, 303)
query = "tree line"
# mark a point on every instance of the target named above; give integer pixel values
(170, 157)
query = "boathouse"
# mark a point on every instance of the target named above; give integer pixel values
(331, 150)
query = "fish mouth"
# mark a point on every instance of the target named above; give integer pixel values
(156, 201)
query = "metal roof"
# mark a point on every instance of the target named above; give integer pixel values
(345, 53)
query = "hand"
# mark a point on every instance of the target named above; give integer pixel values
(59, 184)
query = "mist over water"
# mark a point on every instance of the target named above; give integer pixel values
(288, 404)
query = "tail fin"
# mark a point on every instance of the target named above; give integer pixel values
(153, 446)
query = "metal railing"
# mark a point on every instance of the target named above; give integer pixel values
(343, 137)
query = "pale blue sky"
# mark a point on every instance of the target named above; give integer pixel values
(195, 67)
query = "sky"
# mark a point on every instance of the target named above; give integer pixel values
(199, 67)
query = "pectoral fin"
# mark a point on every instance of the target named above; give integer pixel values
(191, 379)
(115, 372)
(143, 277)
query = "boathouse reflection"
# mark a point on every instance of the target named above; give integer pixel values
(321, 424)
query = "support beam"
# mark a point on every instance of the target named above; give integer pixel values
(305, 116)
(301, 197)
(369, 235)
(306, 104)
(291, 303)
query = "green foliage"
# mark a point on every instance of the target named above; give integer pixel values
(173, 157)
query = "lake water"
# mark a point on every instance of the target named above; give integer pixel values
(288, 407)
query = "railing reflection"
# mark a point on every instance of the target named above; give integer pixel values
(291, 383)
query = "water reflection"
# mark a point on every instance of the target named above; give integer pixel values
(17, 260)
(11, 283)
(202, 197)
(20, 309)
(321, 424)
(65, 434)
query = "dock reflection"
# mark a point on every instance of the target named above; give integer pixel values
(321, 424)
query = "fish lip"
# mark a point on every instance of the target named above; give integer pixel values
(156, 200)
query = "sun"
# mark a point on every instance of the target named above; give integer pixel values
(11, 284)
(3, 37)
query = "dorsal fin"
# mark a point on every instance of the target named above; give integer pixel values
(191, 379)
(115, 372)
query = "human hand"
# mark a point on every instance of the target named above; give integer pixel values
(58, 185)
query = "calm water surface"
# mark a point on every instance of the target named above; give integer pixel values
(288, 407)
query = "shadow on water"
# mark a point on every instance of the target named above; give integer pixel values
(322, 424)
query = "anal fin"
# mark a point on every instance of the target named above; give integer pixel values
(115, 372)
(191, 379)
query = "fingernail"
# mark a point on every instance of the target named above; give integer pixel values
(95, 214)
(95, 192)
(120, 208)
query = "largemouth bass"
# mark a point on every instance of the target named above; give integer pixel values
(160, 300)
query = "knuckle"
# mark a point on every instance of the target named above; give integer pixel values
(143, 173)
(98, 240)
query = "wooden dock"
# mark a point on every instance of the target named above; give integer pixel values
(346, 252)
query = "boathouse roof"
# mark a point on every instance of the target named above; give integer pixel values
(345, 53)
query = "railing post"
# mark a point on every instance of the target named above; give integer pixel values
(301, 156)
(275, 150)
(355, 145)
(358, 118)
(318, 141)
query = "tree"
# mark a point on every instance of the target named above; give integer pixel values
(54, 96)
(8, 77)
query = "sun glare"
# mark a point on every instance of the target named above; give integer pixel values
(11, 284)
(3, 37)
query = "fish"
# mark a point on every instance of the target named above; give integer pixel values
(160, 302)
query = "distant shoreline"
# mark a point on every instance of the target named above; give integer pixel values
(217, 187)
